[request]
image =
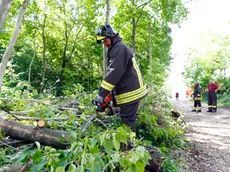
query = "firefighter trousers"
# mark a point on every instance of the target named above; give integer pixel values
(128, 114)
(197, 105)
(212, 101)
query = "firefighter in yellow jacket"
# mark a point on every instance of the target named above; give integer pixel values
(123, 76)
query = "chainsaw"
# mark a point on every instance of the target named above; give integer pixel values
(104, 107)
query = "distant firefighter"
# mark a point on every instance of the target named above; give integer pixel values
(177, 96)
(212, 88)
(197, 98)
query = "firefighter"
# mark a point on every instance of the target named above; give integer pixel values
(177, 96)
(212, 88)
(197, 98)
(123, 76)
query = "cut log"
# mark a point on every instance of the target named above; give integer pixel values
(41, 123)
(45, 136)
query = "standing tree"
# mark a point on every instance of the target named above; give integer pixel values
(4, 7)
(107, 22)
(13, 40)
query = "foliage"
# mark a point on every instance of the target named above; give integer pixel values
(100, 147)
(57, 39)
(71, 53)
(211, 60)
(157, 125)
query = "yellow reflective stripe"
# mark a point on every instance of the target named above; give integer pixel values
(198, 98)
(138, 72)
(127, 100)
(214, 106)
(130, 99)
(210, 106)
(100, 37)
(107, 85)
(131, 93)
(199, 108)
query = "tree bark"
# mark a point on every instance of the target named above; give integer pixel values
(32, 61)
(16, 167)
(13, 40)
(43, 54)
(4, 7)
(45, 136)
(134, 35)
(107, 18)
(150, 57)
(105, 49)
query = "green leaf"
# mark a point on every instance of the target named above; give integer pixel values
(140, 165)
(21, 156)
(96, 167)
(73, 134)
(73, 146)
(108, 145)
(72, 167)
(79, 169)
(116, 157)
(39, 166)
(38, 155)
(102, 139)
(116, 143)
(60, 169)
(93, 141)
(133, 157)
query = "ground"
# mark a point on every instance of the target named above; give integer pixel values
(209, 139)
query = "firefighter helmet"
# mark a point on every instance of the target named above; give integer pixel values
(103, 32)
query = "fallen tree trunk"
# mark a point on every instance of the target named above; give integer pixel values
(51, 137)
(45, 136)
(16, 167)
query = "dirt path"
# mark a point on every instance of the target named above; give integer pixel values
(209, 134)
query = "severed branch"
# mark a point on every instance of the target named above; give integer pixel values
(28, 100)
(25, 165)
(100, 121)
(2, 143)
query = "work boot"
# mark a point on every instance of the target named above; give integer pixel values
(193, 110)
(214, 110)
(199, 111)
(209, 110)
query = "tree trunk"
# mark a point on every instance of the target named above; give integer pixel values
(107, 18)
(150, 57)
(17, 167)
(31, 63)
(105, 49)
(4, 7)
(13, 40)
(134, 35)
(43, 54)
(45, 136)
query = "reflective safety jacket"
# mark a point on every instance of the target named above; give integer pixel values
(123, 75)
(197, 93)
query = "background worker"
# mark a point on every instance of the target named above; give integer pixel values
(123, 76)
(212, 88)
(177, 96)
(197, 98)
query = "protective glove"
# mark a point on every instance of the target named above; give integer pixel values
(99, 99)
